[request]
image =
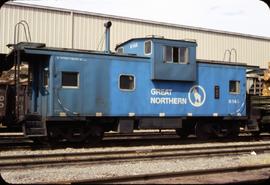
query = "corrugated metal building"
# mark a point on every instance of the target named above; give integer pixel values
(84, 30)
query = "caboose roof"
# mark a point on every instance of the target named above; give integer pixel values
(155, 38)
(40, 48)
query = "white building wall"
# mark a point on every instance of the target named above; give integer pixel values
(83, 30)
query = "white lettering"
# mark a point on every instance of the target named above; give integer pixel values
(176, 101)
(70, 58)
(134, 45)
(233, 101)
(161, 92)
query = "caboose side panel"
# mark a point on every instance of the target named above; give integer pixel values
(89, 85)
(97, 89)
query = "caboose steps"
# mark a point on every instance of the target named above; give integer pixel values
(34, 129)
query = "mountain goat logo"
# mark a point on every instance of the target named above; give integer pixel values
(196, 95)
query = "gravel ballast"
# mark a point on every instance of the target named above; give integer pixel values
(80, 172)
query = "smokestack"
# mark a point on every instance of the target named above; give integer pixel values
(107, 26)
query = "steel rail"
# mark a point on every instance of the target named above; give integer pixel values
(153, 133)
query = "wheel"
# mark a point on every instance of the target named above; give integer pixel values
(206, 131)
(256, 134)
(232, 130)
(55, 135)
(39, 140)
(202, 131)
(77, 134)
(96, 134)
(182, 132)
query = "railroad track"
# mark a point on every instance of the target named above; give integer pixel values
(139, 134)
(106, 135)
(105, 157)
(175, 177)
(17, 141)
(172, 176)
(14, 141)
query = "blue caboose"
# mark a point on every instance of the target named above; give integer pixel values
(147, 83)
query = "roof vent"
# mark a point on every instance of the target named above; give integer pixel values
(155, 36)
(190, 40)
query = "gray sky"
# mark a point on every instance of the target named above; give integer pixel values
(242, 16)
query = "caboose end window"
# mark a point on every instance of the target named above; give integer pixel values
(70, 79)
(46, 77)
(120, 50)
(148, 47)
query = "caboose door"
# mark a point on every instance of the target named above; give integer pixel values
(40, 87)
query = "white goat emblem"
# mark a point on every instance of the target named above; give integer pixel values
(197, 96)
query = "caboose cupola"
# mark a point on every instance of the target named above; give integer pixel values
(171, 60)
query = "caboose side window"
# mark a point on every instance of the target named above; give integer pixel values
(234, 87)
(120, 50)
(148, 47)
(70, 79)
(127, 82)
(177, 55)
